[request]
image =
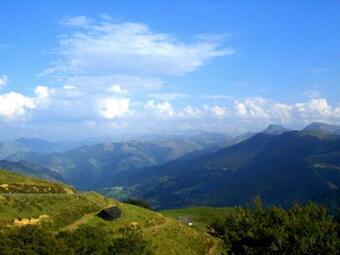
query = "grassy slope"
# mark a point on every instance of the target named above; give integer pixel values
(13, 178)
(68, 211)
(62, 209)
(168, 236)
(201, 217)
(17, 183)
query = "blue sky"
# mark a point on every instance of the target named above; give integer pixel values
(71, 69)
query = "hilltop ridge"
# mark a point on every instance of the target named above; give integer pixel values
(30, 201)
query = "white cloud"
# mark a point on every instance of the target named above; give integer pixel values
(190, 112)
(3, 80)
(117, 89)
(252, 108)
(42, 92)
(69, 87)
(163, 109)
(218, 111)
(316, 106)
(241, 109)
(282, 112)
(111, 108)
(168, 96)
(315, 109)
(99, 62)
(130, 48)
(217, 97)
(77, 21)
(14, 105)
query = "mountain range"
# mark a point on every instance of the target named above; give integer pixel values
(93, 166)
(284, 168)
(280, 165)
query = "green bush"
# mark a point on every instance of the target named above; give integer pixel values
(301, 230)
(131, 242)
(29, 240)
(85, 240)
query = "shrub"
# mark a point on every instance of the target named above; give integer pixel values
(31, 240)
(86, 240)
(131, 242)
(301, 230)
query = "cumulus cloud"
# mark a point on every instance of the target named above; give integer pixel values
(3, 80)
(218, 111)
(315, 109)
(109, 70)
(14, 105)
(99, 62)
(162, 109)
(111, 108)
(117, 89)
(42, 92)
(241, 109)
(109, 47)
(281, 112)
(165, 109)
(191, 112)
(252, 108)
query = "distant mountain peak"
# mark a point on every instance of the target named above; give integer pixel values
(275, 130)
(25, 140)
(323, 127)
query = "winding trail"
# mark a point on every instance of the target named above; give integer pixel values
(80, 221)
(84, 219)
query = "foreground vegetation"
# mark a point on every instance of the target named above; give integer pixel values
(300, 230)
(17, 183)
(84, 240)
(201, 217)
(66, 223)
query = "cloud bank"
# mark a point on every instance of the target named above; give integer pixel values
(110, 76)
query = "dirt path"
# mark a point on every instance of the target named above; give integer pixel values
(84, 219)
(80, 221)
(215, 248)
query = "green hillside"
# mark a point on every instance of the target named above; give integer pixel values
(201, 217)
(67, 211)
(67, 223)
(31, 169)
(295, 166)
(16, 183)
